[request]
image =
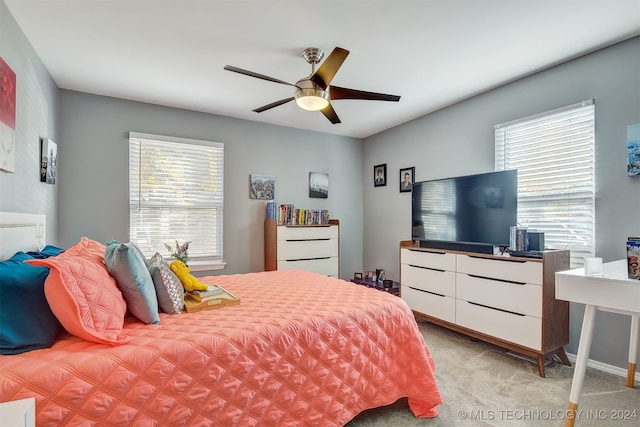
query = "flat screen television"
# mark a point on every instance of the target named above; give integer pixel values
(469, 213)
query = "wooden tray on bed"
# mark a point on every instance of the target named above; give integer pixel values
(225, 298)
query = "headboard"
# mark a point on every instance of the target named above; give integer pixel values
(21, 232)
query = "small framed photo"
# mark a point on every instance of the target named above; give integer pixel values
(406, 179)
(357, 276)
(318, 185)
(380, 175)
(262, 187)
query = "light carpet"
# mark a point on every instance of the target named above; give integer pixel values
(484, 385)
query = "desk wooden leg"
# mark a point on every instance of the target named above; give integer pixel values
(584, 347)
(571, 414)
(633, 350)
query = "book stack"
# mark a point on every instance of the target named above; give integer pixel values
(633, 257)
(289, 215)
(214, 297)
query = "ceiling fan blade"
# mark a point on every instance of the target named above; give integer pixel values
(330, 114)
(272, 105)
(256, 75)
(328, 69)
(336, 92)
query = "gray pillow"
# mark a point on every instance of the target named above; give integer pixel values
(169, 290)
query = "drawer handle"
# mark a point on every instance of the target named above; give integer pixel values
(429, 252)
(497, 280)
(497, 309)
(426, 292)
(307, 259)
(498, 259)
(426, 268)
(306, 240)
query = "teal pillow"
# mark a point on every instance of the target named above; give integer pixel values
(26, 321)
(46, 252)
(128, 266)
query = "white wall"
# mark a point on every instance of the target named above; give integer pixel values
(93, 173)
(459, 140)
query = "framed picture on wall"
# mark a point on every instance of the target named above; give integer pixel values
(318, 185)
(48, 160)
(262, 187)
(406, 179)
(380, 175)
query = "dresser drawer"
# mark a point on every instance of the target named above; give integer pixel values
(518, 298)
(435, 260)
(517, 271)
(426, 279)
(326, 266)
(307, 232)
(519, 329)
(303, 249)
(440, 306)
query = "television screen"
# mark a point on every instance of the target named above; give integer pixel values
(472, 209)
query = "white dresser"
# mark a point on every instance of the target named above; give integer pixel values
(303, 247)
(507, 301)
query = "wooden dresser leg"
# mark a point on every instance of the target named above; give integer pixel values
(563, 357)
(540, 360)
(571, 414)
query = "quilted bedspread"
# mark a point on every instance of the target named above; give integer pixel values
(300, 349)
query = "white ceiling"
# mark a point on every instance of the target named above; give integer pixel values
(432, 53)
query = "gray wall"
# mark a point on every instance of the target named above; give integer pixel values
(90, 196)
(94, 186)
(459, 140)
(36, 117)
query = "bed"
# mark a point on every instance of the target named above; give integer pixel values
(300, 349)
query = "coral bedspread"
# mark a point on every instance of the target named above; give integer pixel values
(300, 349)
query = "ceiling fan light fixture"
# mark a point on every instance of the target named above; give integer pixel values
(312, 99)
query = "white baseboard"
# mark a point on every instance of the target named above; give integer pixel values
(604, 367)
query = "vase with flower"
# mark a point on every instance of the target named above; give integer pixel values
(180, 252)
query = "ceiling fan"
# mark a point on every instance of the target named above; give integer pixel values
(314, 92)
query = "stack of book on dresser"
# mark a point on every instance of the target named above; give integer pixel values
(214, 297)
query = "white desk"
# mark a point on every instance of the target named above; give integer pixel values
(614, 292)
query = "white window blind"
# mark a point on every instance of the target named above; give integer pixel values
(176, 193)
(554, 155)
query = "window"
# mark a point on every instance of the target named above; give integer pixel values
(176, 193)
(554, 155)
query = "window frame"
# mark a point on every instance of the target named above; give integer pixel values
(576, 141)
(213, 261)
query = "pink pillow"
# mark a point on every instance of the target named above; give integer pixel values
(82, 294)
